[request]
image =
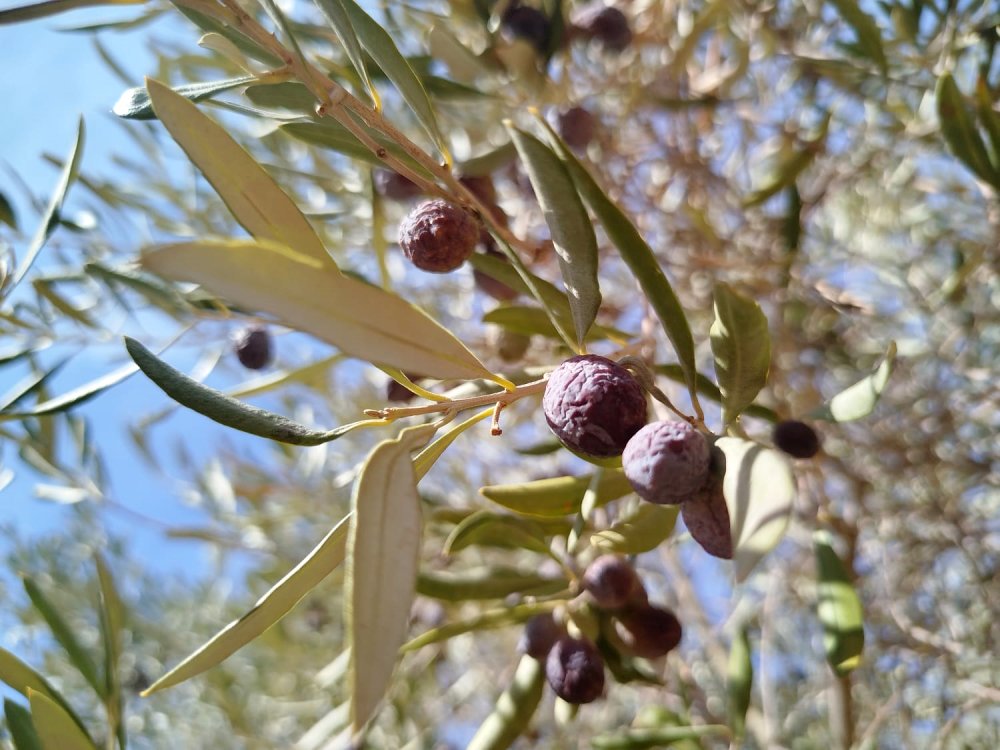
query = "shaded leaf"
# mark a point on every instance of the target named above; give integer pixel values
(533, 320)
(78, 655)
(640, 531)
(514, 708)
(486, 583)
(640, 259)
(135, 104)
(7, 215)
(226, 410)
(960, 133)
(637, 739)
(336, 14)
(741, 345)
(495, 530)
(989, 119)
(759, 489)
(269, 609)
(53, 7)
(21, 728)
(710, 390)
(250, 193)
(490, 619)
(569, 224)
(361, 320)
(112, 620)
(387, 56)
(50, 218)
(867, 31)
(838, 608)
(334, 136)
(286, 95)
(56, 728)
(488, 162)
(739, 681)
(860, 399)
(245, 45)
(383, 557)
(558, 496)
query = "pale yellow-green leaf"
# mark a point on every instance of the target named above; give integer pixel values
(759, 489)
(424, 460)
(56, 728)
(270, 608)
(363, 321)
(383, 557)
(252, 195)
(640, 531)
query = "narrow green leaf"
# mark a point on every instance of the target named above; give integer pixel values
(485, 528)
(640, 531)
(559, 496)
(639, 739)
(285, 95)
(960, 133)
(53, 7)
(72, 398)
(759, 489)
(424, 460)
(33, 383)
(56, 728)
(486, 583)
(363, 321)
(783, 174)
(112, 620)
(866, 30)
(989, 119)
(533, 320)
(739, 681)
(463, 64)
(50, 218)
(387, 56)
(639, 257)
(488, 162)
(490, 619)
(502, 270)
(383, 557)
(22, 678)
(269, 609)
(334, 136)
(245, 45)
(569, 224)
(79, 657)
(226, 410)
(251, 194)
(514, 708)
(710, 390)
(860, 399)
(135, 104)
(7, 215)
(336, 14)
(838, 608)
(21, 728)
(742, 348)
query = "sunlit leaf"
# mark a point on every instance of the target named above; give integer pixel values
(488, 162)
(741, 344)
(710, 390)
(251, 194)
(22, 678)
(838, 608)
(487, 620)
(486, 583)
(638, 739)
(112, 621)
(269, 609)
(78, 654)
(340, 20)
(135, 104)
(759, 489)
(533, 320)
(514, 708)
(56, 728)
(249, 48)
(53, 7)
(570, 226)
(640, 531)
(21, 728)
(424, 460)
(361, 320)
(860, 399)
(559, 496)
(50, 218)
(383, 557)
(287, 95)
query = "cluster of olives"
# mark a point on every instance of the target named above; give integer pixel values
(574, 666)
(604, 25)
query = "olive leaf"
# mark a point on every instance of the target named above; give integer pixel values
(383, 557)
(759, 488)
(485, 528)
(135, 103)
(636, 739)
(362, 320)
(338, 17)
(21, 727)
(56, 728)
(22, 678)
(838, 608)
(53, 7)
(859, 400)
(514, 708)
(739, 681)
(959, 129)
(271, 607)
(250, 193)
(640, 531)
(742, 348)
(572, 231)
(486, 583)
(558, 496)
(487, 620)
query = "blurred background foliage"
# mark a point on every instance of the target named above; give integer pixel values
(811, 153)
